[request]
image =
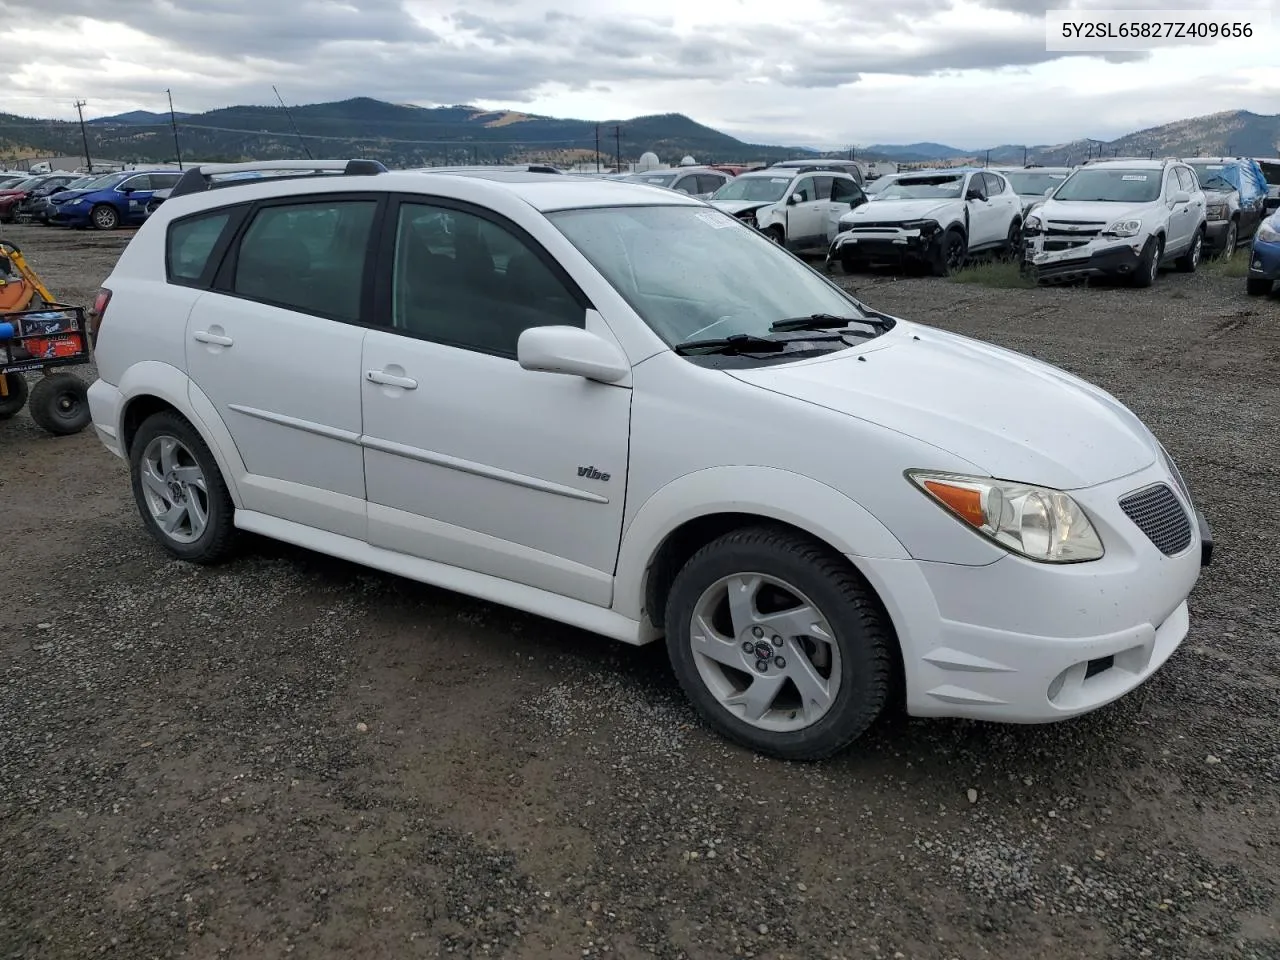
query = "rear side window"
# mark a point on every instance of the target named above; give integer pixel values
(308, 257)
(191, 242)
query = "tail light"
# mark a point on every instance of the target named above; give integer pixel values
(97, 310)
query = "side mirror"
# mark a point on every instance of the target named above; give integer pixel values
(1181, 196)
(126, 189)
(975, 194)
(794, 199)
(1048, 191)
(571, 350)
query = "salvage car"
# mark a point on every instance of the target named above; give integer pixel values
(115, 200)
(1118, 218)
(1033, 183)
(14, 194)
(1235, 193)
(700, 182)
(560, 429)
(1270, 167)
(1264, 258)
(796, 207)
(34, 207)
(937, 219)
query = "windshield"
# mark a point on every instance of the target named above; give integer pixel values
(1033, 184)
(923, 188)
(657, 179)
(877, 187)
(1213, 176)
(693, 273)
(1112, 186)
(764, 189)
(101, 183)
(28, 184)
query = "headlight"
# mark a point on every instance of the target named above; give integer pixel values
(1215, 211)
(924, 226)
(1269, 232)
(1124, 228)
(1032, 223)
(1034, 522)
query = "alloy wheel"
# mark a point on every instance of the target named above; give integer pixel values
(175, 490)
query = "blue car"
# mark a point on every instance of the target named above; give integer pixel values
(1264, 259)
(111, 201)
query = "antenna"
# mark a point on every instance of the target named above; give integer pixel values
(291, 123)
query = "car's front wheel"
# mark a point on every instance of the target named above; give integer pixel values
(179, 490)
(1149, 263)
(105, 217)
(779, 644)
(951, 253)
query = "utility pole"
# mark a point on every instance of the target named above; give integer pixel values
(988, 160)
(597, 148)
(84, 135)
(173, 121)
(617, 142)
(1024, 156)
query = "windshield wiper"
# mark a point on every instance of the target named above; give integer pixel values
(829, 321)
(737, 343)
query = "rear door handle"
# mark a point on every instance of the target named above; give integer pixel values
(391, 380)
(205, 336)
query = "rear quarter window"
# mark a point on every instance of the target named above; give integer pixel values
(190, 244)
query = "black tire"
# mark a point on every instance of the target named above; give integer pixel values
(1013, 241)
(219, 537)
(104, 217)
(777, 235)
(951, 255)
(60, 404)
(1230, 240)
(1149, 263)
(1257, 287)
(860, 628)
(17, 393)
(1188, 262)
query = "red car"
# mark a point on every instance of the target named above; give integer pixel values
(12, 195)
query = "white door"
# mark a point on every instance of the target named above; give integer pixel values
(807, 219)
(470, 460)
(845, 196)
(1179, 216)
(984, 213)
(275, 348)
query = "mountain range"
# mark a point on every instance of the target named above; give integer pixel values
(408, 135)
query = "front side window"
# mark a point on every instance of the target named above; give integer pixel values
(845, 191)
(1186, 179)
(142, 182)
(995, 186)
(467, 282)
(807, 189)
(191, 242)
(308, 257)
(710, 182)
(164, 181)
(692, 273)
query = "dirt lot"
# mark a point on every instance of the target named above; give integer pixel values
(290, 755)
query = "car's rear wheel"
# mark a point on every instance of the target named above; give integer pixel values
(104, 217)
(15, 396)
(779, 644)
(60, 404)
(1188, 262)
(1257, 287)
(1149, 263)
(183, 500)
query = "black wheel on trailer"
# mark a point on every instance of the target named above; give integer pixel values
(60, 404)
(15, 396)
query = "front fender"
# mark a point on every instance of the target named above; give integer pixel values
(767, 492)
(151, 378)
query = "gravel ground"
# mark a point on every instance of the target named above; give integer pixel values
(289, 755)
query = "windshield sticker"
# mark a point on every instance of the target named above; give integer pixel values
(1057, 176)
(1214, 166)
(714, 220)
(1134, 176)
(779, 179)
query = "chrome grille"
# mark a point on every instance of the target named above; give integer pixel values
(1157, 513)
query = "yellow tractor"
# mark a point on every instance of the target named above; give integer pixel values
(39, 334)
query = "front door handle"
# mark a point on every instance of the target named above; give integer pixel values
(204, 336)
(390, 379)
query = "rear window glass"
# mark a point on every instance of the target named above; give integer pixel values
(191, 242)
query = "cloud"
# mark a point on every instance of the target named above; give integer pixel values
(718, 61)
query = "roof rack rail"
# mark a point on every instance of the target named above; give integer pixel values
(201, 178)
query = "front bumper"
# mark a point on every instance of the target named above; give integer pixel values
(67, 215)
(1264, 260)
(1098, 258)
(1215, 234)
(1023, 642)
(884, 246)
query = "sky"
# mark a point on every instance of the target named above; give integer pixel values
(824, 73)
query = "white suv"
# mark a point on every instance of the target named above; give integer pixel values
(1119, 218)
(938, 218)
(797, 207)
(622, 409)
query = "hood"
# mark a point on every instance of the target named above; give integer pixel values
(69, 195)
(1015, 417)
(740, 206)
(1219, 194)
(12, 193)
(890, 210)
(1096, 210)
